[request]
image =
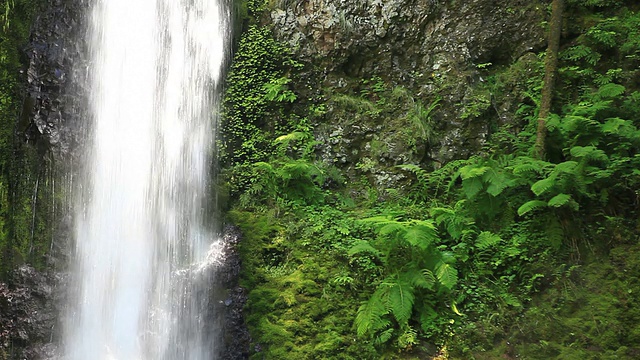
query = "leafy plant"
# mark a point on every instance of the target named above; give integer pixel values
(415, 266)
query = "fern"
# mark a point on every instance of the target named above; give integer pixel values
(422, 177)
(487, 239)
(391, 228)
(384, 336)
(447, 275)
(421, 235)
(420, 279)
(530, 206)
(610, 91)
(497, 180)
(472, 171)
(544, 185)
(554, 232)
(401, 299)
(453, 218)
(370, 314)
(472, 187)
(363, 246)
(526, 166)
(408, 338)
(559, 200)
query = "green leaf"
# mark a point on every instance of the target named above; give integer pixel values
(567, 167)
(447, 275)
(530, 206)
(610, 91)
(422, 279)
(392, 228)
(363, 246)
(384, 336)
(297, 135)
(420, 235)
(497, 182)
(472, 171)
(487, 239)
(542, 186)
(554, 232)
(401, 300)
(559, 200)
(370, 313)
(472, 186)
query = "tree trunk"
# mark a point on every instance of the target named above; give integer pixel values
(550, 69)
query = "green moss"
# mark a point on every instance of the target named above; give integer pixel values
(25, 232)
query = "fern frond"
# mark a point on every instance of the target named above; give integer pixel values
(530, 206)
(622, 128)
(427, 316)
(526, 165)
(510, 300)
(363, 246)
(384, 336)
(472, 171)
(553, 122)
(421, 174)
(610, 91)
(421, 236)
(472, 186)
(401, 300)
(392, 228)
(370, 313)
(542, 186)
(296, 135)
(297, 169)
(265, 166)
(429, 277)
(422, 279)
(455, 221)
(554, 232)
(559, 200)
(447, 257)
(487, 239)
(590, 153)
(568, 167)
(447, 275)
(572, 123)
(497, 181)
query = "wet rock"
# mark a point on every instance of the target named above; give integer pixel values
(28, 315)
(52, 105)
(435, 49)
(235, 333)
(398, 37)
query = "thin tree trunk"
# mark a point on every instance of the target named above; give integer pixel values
(550, 69)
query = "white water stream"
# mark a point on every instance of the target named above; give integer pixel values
(139, 223)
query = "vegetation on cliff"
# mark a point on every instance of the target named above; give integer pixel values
(25, 233)
(500, 254)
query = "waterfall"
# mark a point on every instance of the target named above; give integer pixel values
(139, 286)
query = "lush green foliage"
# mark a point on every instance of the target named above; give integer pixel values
(462, 255)
(255, 99)
(24, 182)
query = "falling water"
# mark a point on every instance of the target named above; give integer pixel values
(138, 291)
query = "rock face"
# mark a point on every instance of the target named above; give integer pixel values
(27, 315)
(435, 49)
(235, 333)
(52, 108)
(400, 37)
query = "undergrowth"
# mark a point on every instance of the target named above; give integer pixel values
(499, 255)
